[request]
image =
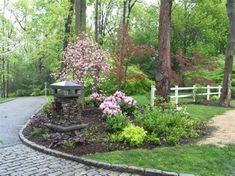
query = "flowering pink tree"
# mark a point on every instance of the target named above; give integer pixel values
(81, 59)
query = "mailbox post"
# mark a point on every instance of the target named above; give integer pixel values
(67, 107)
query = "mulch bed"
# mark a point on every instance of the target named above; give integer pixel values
(96, 136)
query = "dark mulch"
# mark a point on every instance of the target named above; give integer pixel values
(96, 136)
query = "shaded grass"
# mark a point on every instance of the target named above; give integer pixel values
(2, 100)
(202, 160)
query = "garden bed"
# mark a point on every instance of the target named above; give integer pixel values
(95, 138)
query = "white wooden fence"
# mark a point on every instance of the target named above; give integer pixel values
(211, 90)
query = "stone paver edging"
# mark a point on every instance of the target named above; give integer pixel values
(113, 167)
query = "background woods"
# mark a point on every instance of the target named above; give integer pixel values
(34, 35)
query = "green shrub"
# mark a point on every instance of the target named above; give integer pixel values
(214, 98)
(132, 135)
(1, 142)
(36, 131)
(42, 92)
(36, 92)
(117, 123)
(69, 144)
(109, 85)
(137, 81)
(47, 107)
(199, 98)
(168, 125)
(46, 136)
(153, 139)
(22, 92)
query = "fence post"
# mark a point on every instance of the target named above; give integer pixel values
(194, 93)
(152, 95)
(176, 96)
(45, 87)
(208, 93)
(219, 90)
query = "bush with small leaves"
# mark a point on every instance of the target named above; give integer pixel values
(170, 126)
(117, 123)
(46, 136)
(215, 98)
(132, 135)
(153, 139)
(36, 131)
(69, 143)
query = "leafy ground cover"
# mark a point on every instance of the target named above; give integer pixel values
(2, 100)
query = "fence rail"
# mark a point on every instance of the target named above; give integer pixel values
(210, 90)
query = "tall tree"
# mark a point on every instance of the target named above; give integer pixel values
(80, 11)
(67, 25)
(226, 91)
(163, 65)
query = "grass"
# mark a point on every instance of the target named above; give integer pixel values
(203, 160)
(204, 113)
(201, 112)
(2, 100)
(142, 99)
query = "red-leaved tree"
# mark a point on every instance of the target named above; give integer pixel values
(124, 51)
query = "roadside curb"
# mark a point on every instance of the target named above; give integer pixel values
(103, 165)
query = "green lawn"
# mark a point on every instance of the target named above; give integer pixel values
(2, 100)
(201, 112)
(204, 113)
(206, 160)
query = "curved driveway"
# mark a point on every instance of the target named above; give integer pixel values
(20, 160)
(13, 115)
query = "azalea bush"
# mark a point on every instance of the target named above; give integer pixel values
(97, 99)
(110, 106)
(114, 104)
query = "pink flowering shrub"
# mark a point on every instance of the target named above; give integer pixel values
(82, 59)
(110, 106)
(118, 103)
(97, 99)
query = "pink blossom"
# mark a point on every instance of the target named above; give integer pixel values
(81, 59)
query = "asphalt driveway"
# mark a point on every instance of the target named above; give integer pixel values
(14, 114)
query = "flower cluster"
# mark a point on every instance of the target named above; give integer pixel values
(121, 97)
(116, 103)
(97, 96)
(81, 59)
(110, 106)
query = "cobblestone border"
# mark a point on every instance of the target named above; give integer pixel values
(108, 166)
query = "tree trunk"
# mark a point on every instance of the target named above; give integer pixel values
(226, 90)
(96, 21)
(67, 25)
(80, 11)
(163, 65)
